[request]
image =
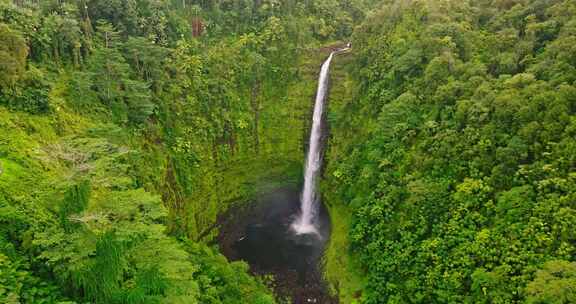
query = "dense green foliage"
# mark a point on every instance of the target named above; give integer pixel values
(126, 127)
(459, 152)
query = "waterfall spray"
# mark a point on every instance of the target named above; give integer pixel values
(305, 223)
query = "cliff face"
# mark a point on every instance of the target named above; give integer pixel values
(130, 180)
(345, 125)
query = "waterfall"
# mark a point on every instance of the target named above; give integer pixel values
(305, 223)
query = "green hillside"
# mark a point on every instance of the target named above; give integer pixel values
(129, 127)
(456, 154)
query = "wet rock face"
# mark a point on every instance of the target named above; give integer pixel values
(261, 236)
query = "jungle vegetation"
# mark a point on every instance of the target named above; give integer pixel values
(128, 126)
(456, 152)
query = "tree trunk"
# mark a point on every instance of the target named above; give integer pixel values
(254, 102)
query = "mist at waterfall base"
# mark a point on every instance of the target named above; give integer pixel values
(270, 245)
(260, 233)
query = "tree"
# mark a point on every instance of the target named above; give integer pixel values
(13, 53)
(553, 284)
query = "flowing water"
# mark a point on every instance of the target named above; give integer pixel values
(306, 223)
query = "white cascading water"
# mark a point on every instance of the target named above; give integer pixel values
(305, 223)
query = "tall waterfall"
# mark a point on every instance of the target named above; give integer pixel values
(305, 223)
